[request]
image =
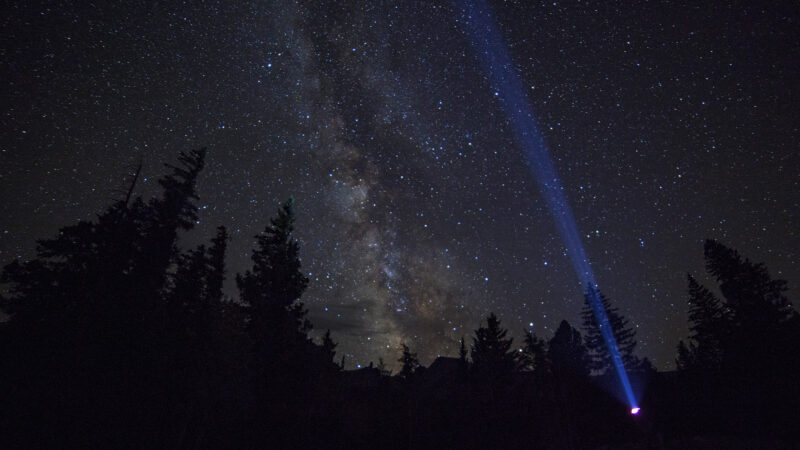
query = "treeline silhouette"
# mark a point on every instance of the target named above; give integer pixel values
(117, 338)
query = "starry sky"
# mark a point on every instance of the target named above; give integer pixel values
(667, 122)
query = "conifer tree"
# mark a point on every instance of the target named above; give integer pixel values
(173, 212)
(328, 347)
(112, 266)
(89, 307)
(566, 352)
(196, 292)
(409, 361)
(492, 356)
(600, 358)
(533, 356)
(750, 330)
(741, 356)
(271, 290)
(192, 348)
(754, 299)
(710, 326)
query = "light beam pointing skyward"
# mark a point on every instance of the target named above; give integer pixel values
(490, 50)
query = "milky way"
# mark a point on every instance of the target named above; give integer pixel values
(668, 123)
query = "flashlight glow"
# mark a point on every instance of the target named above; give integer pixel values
(635, 410)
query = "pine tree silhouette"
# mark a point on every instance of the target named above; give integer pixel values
(755, 300)
(534, 353)
(710, 327)
(600, 359)
(272, 288)
(492, 356)
(566, 352)
(749, 330)
(327, 351)
(89, 313)
(739, 363)
(173, 212)
(277, 327)
(195, 322)
(409, 361)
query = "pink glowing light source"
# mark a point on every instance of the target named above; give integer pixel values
(635, 410)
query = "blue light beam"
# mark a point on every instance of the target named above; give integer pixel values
(490, 50)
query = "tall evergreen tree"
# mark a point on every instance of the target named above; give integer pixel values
(710, 326)
(173, 212)
(754, 299)
(193, 346)
(492, 356)
(196, 292)
(739, 362)
(534, 353)
(750, 329)
(600, 358)
(566, 352)
(286, 364)
(272, 288)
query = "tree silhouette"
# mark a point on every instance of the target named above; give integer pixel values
(173, 212)
(324, 355)
(89, 312)
(534, 353)
(112, 270)
(600, 358)
(409, 361)
(195, 321)
(272, 288)
(284, 358)
(566, 352)
(117, 336)
(124, 255)
(196, 292)
(754, 298)
(749, 329)
(756, 328)
(738, 363)
(462, 350)
(328, 346)
(492, 356)
(709, 324)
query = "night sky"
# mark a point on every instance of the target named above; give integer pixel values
(668, 124)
